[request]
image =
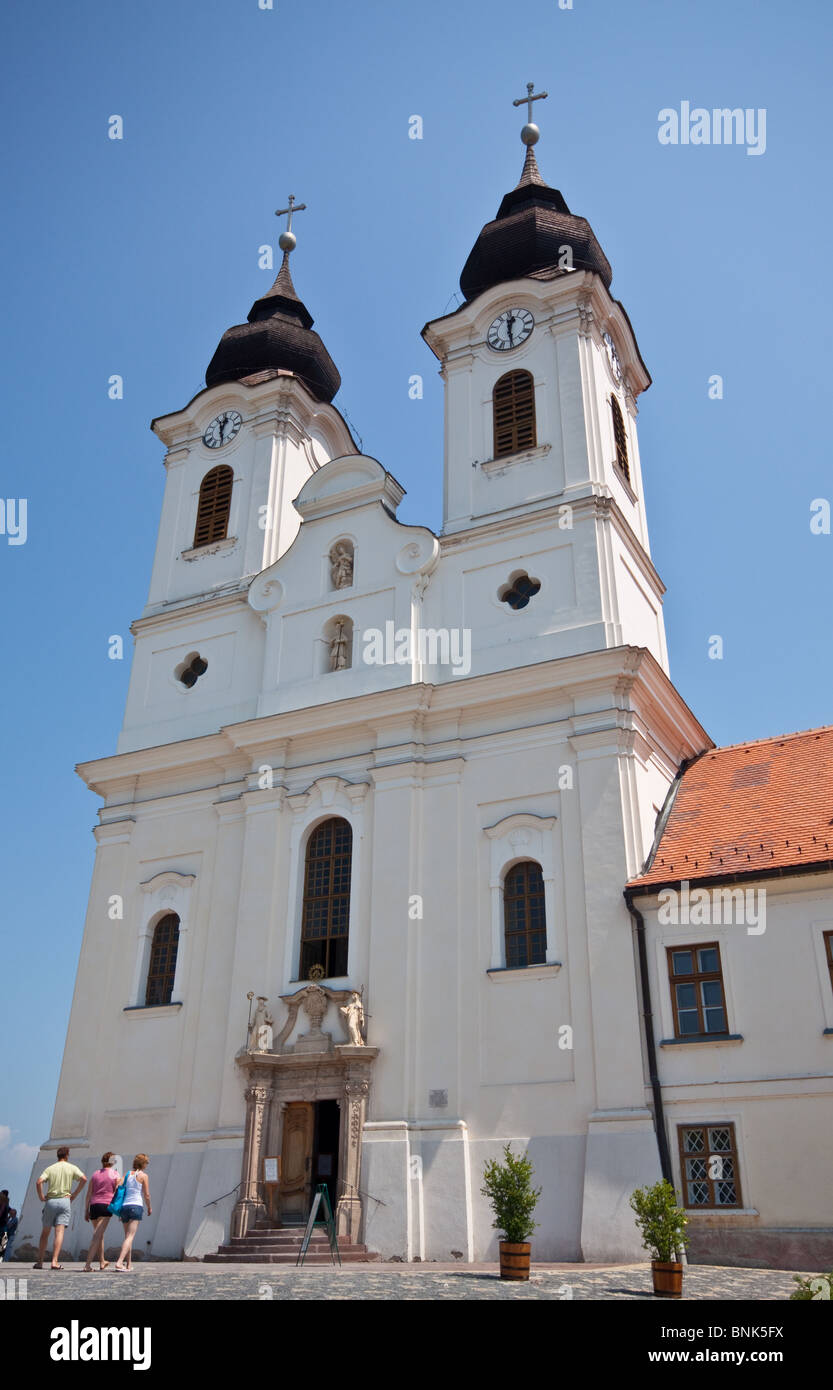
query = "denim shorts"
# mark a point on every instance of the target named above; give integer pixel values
(130, 1214)
(56, 1212)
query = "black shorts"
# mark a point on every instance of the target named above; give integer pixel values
(98, 1209)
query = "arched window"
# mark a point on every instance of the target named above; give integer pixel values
(162, 967)
(326, 911)
(620, 438)
(513, 402)
(524, 915)
(214, 506)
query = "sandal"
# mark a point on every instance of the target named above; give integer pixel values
(37, 1266)
(56, 1266)
(88, 1269)
(105, 1264)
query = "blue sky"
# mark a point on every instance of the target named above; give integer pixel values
(133, 256)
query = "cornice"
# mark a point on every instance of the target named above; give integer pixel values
(629, 677)
(465, 329)
(602, 505)
(183, 611)
(265, 396)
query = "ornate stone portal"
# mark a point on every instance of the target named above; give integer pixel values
(313, 1069)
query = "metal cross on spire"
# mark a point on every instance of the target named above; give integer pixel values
(287, 240)
(530, 132)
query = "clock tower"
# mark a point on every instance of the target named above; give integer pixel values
(237, 456)
(542, 374)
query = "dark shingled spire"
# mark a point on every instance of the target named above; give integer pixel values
(530, 173)
(277, 335)
(527, 238)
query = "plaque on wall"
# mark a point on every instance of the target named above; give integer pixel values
(271, 1169)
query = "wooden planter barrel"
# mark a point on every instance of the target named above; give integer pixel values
(668, 1279)
(514, 1260)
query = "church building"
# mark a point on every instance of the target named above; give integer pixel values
(369, 897)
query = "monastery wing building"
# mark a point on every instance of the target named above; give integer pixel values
(358, 914)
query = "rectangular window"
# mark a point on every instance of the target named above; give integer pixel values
(709, 1166)
(828, 954)
(696, 981)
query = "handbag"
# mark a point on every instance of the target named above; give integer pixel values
(118, 1197)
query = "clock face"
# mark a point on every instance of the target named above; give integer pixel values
(222, 428)
(510, 329)
(612, 356)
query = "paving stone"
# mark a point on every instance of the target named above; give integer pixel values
(391, 1282)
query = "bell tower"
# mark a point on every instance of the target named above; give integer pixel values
(237, 456)
(542, 373)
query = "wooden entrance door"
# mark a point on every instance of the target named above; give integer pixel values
(296, 1159)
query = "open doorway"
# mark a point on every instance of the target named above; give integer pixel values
(325, 1148)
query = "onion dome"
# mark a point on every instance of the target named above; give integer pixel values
(528, 237)
(277, 336)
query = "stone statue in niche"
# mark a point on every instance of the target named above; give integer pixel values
(341, 565)
(353, 1012)
(260, 1033)
(338, 648)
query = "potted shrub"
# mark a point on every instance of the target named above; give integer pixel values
(662, 1224)
(508, 1185)
(813, 1286)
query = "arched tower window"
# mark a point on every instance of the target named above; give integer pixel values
(513, 403)
(326, 910)
(214, 506)
(524, 915)
(162, 967)
(620, 438)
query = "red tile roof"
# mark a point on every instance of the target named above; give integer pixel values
(750, 808)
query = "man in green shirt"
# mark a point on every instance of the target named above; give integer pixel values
(57, 1199)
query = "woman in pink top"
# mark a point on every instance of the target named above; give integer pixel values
(100, 1193)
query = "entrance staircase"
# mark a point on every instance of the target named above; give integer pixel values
(280, 1245)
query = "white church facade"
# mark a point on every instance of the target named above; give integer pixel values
(358, 902)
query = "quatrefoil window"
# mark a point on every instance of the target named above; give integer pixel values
(520, 589)
(189, 671)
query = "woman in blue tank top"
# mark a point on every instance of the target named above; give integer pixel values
(136, 1191)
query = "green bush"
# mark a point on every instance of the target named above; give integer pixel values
(661, 1221)
(816, 1286)
(508, 1186)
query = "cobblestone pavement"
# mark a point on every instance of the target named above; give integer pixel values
(391, 1282)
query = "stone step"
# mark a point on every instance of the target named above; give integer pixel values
(255, 1247)
(241, 1241)
(287, 1258)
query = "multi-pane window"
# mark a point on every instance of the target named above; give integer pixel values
(162, 966)
(828, 953)
(326, 911)
(697, 990)
(620, 438)
(709, 1166)
(513, 403)
(524, 915)
(214, 506)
